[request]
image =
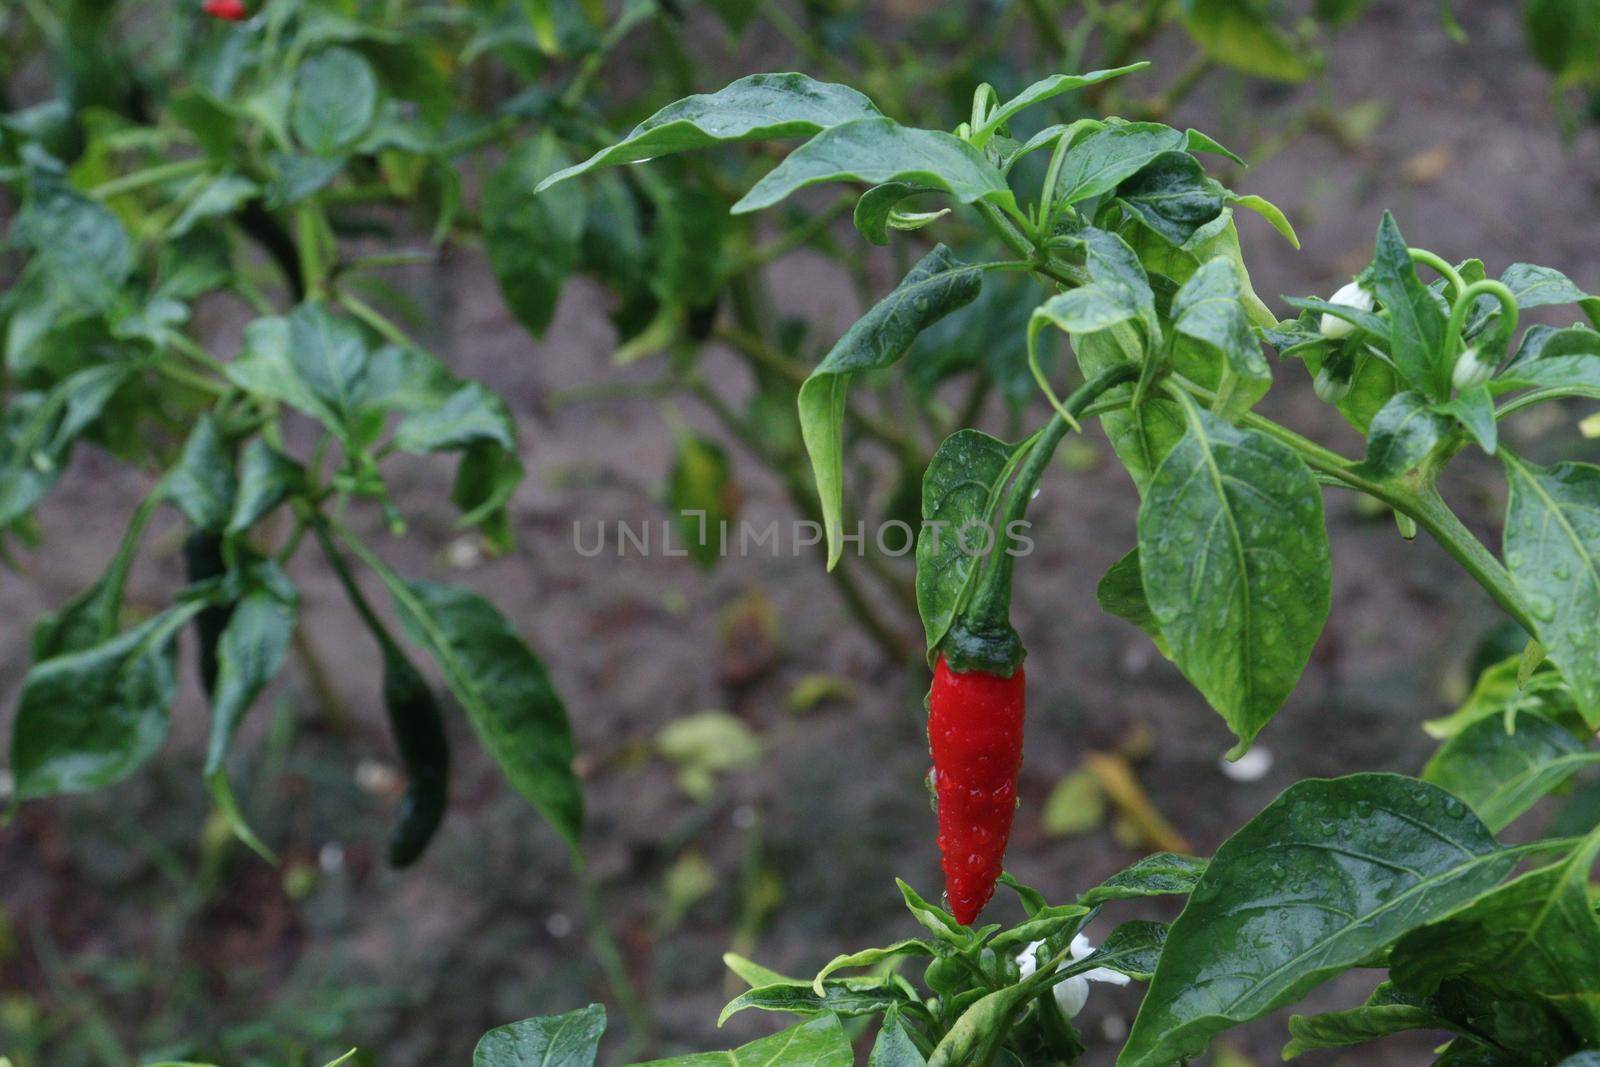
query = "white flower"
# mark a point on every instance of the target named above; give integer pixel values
(1351, 296)
(1471, 370)
(1072, 993)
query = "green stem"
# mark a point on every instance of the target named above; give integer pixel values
(143, 179)
(1468, 297)
(1440, 264)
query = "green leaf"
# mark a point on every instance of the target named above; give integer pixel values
(701, 495)
(1536, 286)
(1403, 434)
(936, 286)
(1373, 381)
(1172, 195)
(876, 207)
(1161, 874)
(1552, 549)
(819, 1042)
(90, 617)
(1369, 321)
(990, 1013)
(1045, 89)
(1134, 949)
(249, 654)
(78, 242)
(879, 150)
(1046, 924)
(1536, 936)
(841, 996)
(1235, 562)
(1503, 768)
(37, 432)
(335, 101)
(1105, 158)
(267, 477)
(1121, 593)
(1500, 692)
(1328, 874)
(894, 1047)
(1474, 410)
(1417, 322)
(202, 484)
(867, 957)
(503, 687)
(1266, 209)
(1209, 309)
(961, 489)
(88, 719)
(533, 240)
(1384, 1013)
(470, 414)
(757, 108)
(1564, 36)
(752, 973)
(1241, 34)
(569, 1040)
(940, 922)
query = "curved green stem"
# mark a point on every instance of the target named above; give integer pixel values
(1440, 264)
(1463, 305)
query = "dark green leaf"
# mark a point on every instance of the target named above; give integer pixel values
(91, 616)
(336, 99)
(1209, 309)
(1337, 1029)
(1417, 322)
(841, 996)
(977, 1023)
(503, 687)
(533, 240)
(249, 654)
(757, 108)
(1331, 872)
(961, 488)
(819, 1042)
(1161, 874)
(1403, 434)
(1172, 195)
(1564, 35)
(1235, 562)
(266, 478)
(1535, 286)
(1536, 936)
(1133, 949)
(78, 242)
(37, 432)
(1049, 923)
(87, 719)
(1552, 548)
(936, 286)
(202, 484)
(881, 150)
(1474, 410)
(1503, 768)
(873, 210)
(569, 1040)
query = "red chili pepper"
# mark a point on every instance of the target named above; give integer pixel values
(975, 736)
(228, 10)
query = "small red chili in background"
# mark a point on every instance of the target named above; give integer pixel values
(229, 10)
(975, 737)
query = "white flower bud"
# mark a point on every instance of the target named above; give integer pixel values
(1330, 386)
(1471, 370)
(1351, 296)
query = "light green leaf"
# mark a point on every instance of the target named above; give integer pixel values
(819, 1042)
(1045, 89)
(569, 1040)
(936, 286)
(1209, 309)
(894, 1047)
(1241, 34)
(1160, 874)
(1329, 873)
(266, 478)
(1552, 549)
(841, 996)
(1234, 556)
(757, 108)
(1121, 593)
(880, 150)
(868, 957)
(335, 101)
(1105, 158)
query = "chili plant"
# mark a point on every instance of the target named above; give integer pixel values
(1133, 245)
